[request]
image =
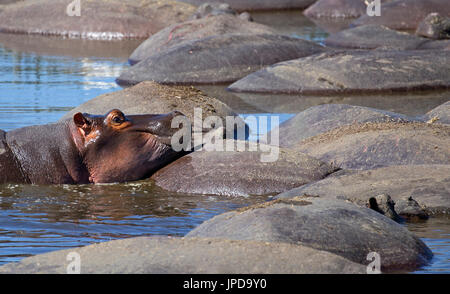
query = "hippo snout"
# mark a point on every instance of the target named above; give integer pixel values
(176, 113)
(164, 127)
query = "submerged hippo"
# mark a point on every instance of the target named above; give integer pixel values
(88, 149)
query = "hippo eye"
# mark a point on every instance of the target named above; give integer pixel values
(118, 120)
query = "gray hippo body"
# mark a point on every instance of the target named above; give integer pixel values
(87, 149)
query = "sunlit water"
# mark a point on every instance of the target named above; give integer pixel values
(42, 78)
(40, 89)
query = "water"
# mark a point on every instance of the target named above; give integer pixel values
(413, 104)
(435, 232)
(41, 78)
(40, 88)
(37, 219)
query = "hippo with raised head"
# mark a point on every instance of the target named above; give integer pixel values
(88, 149)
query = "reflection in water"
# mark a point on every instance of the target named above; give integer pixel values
(259, 124)
(332, 26)
(409, 104)
(36, 219)
(40, 89)
(415, 104)
(73, 48)
(292, 23)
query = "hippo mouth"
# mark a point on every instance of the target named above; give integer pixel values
(153, 138)
(166, 140)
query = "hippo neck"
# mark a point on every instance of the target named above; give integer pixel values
(47, 154)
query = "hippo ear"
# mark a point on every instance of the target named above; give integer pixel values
(82, 123)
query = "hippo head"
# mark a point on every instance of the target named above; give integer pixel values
(119, 148)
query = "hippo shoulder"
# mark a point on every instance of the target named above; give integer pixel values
(8, 163)
(2, 142)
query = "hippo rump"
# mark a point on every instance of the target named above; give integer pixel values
(88, 149)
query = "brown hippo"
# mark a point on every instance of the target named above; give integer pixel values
(88, 149)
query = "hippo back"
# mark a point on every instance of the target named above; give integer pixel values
(9, 168)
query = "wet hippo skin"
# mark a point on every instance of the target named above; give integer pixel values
(88, 149)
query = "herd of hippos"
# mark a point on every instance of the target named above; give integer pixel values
(346, 175)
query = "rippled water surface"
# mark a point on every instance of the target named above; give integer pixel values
(36, 88)
(37, 219)
(435, 232)
(42, 78)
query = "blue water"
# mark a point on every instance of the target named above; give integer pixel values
(40, 89)
(435, 232)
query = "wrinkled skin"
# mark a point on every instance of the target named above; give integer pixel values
(88, 149)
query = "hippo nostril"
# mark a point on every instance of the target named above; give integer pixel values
(176, 113)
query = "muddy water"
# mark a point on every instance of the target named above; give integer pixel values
(41, 78)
